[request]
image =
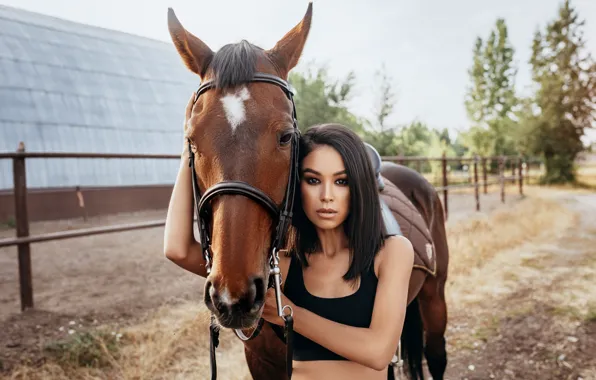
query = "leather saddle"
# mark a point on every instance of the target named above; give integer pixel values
(401, 217)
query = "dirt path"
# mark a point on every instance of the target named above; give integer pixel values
(538, 320)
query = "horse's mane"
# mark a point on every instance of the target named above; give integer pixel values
(235, 64)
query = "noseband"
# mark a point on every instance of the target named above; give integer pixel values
(282, 215)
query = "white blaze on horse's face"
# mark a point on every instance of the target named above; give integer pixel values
(233, 105)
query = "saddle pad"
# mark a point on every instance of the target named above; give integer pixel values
(413, 227)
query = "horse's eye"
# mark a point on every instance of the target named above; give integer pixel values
(286, 138)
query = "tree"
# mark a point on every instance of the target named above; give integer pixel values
(565, 100)
(320, 100)
(386, 97)
(490, 100)
(378, 133)
(384, 142)
(414, 139)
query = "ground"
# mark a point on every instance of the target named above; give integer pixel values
(521, 297)
(530, 311)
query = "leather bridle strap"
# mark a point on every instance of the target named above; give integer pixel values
(289, 334)
(238, 188)
(213, 343)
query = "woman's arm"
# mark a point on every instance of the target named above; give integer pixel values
(180, 245)
(375, 346)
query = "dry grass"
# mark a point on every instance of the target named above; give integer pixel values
(475, 242)
(586, 175)
(173, 343)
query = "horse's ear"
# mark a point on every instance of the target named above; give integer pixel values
(195, 54)
(286, 53)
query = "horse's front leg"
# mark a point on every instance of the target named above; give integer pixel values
(266, 355)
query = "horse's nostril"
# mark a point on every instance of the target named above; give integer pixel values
(258, 289)
(251, 294)
(209, 292)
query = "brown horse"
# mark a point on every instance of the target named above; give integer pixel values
(241, 131)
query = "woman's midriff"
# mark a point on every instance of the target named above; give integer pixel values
(334, 369)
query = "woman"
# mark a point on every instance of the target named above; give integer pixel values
(346, 282)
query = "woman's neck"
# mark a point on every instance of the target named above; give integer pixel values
(332, 241)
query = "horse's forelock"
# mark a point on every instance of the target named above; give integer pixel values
(235, 64)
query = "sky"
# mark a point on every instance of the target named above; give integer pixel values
(425, 45)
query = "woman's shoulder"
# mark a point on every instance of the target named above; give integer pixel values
(397, 250)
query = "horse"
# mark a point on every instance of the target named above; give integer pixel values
(242, 134)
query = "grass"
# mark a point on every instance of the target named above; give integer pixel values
(533, 262)
(94, 349)
(475, 242)
(591, 316)
(566, 311)
(487, 328)
(173, 343)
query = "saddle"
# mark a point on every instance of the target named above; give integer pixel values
(402, 218)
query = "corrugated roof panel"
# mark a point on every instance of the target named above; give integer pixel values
(12, 76)
(51, 138)
(16, 105)
(70, 87)
(11, 28)
(17, 48)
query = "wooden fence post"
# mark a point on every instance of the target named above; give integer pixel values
(502, 177)
(521, 176)
(22, 224)
(445, 184)
(484, 175)
(476, 190)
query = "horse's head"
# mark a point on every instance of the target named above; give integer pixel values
(240, 130)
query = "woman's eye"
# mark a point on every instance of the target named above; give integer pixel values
(312, 181)
(343, 181)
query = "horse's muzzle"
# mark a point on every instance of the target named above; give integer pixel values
(236, 312)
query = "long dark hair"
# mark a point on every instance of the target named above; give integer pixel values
(363, 226)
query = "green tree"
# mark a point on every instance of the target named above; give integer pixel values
(565, 100)
(459, 147)
(320, 100)
(414, 139)
(436, 147)
(490, 100)
(386, 97)
(384, 142)
(379, 134)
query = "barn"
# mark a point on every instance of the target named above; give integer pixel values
(69, 87)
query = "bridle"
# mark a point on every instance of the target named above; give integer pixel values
(282, 215)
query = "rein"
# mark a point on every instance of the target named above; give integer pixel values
(282, 214)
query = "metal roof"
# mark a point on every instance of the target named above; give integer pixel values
(69, 87)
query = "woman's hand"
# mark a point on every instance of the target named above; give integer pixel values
(270, 309)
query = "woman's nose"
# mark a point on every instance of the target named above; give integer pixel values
(327, 193)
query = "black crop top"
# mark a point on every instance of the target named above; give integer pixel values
(354, 310)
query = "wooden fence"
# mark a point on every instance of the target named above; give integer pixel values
(23, 239)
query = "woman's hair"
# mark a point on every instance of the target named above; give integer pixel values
(363, 226)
